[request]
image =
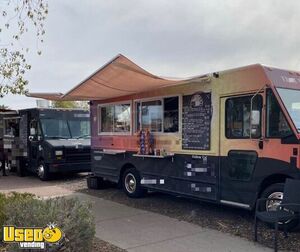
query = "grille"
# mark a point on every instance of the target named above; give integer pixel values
(78, 155)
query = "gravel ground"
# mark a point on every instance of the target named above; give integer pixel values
(230, 220)
(102, 246)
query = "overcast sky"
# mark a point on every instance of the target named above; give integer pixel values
(176, 38)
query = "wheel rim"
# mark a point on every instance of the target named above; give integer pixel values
(41, 171)
(130, 183)
(271, 205)
(274, 201)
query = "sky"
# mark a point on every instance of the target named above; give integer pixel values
(177, 38)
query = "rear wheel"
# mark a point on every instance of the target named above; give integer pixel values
(275, 195)
(131, 182)
(43, 171)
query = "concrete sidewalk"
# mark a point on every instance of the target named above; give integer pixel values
(142, 231)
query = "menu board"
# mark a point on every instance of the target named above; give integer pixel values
(196, 121)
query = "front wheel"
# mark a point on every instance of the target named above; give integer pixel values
(275, 195)
(43, 171)
(131, 182)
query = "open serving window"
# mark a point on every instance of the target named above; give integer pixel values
(158, 115)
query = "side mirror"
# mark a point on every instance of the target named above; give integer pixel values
(254, 122)
(255, 118)
(32, 131)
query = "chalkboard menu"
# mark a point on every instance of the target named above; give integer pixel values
(196, 121)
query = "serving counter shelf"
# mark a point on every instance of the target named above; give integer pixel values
(112, 152)
(154, 156)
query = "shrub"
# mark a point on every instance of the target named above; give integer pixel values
(73, 217)
(6, 199)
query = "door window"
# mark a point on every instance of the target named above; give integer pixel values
(238, 111)
(35, 131)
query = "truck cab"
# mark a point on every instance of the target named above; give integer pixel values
(53, 141)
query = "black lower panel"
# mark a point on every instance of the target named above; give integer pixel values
(195, 176)
(242, 181)
(199, 176)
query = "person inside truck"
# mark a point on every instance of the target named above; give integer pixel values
(12, 128)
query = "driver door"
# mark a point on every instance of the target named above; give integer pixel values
(239, 148)
(34, 143)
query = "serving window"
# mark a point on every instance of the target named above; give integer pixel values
(11, 126)
(159, 115)
(114, 118)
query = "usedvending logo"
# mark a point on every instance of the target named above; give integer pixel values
(33, 238)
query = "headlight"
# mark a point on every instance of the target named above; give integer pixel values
(58, 153)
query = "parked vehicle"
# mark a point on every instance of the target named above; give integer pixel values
(228, 137)
(45, 141)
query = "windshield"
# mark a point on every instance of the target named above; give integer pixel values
(61, 128)
(291, 100)
(79, 129)
(55, 128)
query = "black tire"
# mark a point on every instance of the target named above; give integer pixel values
(131, 183)
(21, 168)
(273, 191)
(94, 182)
(43, 171)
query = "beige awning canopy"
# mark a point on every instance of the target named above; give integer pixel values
(46, 96)
(119, 77)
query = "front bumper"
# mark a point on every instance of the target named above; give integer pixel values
(69, 167)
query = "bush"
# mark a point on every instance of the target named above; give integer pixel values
(6, 199)
(74, 218)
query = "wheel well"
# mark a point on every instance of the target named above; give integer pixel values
(123, 169)
(273, 179)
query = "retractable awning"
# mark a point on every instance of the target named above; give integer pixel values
(119, 77)
(46, 96)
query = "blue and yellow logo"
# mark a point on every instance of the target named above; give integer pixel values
(32, 237)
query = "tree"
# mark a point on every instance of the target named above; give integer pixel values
(64, 104)
(16, 19)
(70, 104)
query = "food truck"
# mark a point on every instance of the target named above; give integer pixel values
(227, 137)
(46, 141)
